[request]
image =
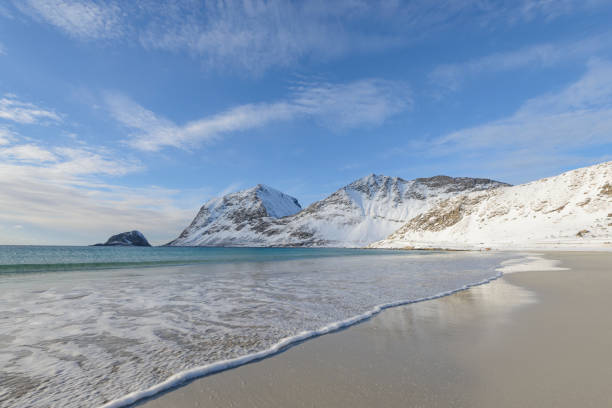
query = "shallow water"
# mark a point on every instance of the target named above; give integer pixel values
(73, 338)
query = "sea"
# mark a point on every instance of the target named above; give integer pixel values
(108, 326)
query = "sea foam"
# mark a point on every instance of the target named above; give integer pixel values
(202, 371)
(90, 338)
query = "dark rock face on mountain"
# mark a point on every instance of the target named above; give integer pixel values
(462, 184)
(130, 238)
(364, 211)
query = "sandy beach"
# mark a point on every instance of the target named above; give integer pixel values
(528, 339)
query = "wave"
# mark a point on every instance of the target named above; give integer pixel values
(183, 377)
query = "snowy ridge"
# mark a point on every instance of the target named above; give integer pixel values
(572, 210)
(364, 211)
(368, 209)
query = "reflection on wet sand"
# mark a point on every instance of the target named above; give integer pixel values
(530, 339)
(496, 301)
(401, 353)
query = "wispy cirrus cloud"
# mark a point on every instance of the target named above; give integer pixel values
(85, 19)
(530, 9)
(547, 132)
(6, 135)
(153, 132)
(27, 153)
(360, 103)
(452, 76)
(580, 114)
(14, 110)
(256, 35)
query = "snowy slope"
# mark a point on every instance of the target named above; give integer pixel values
(369, 209)
(364, 211)
(238, 219)
(572, 210)
(277, 204)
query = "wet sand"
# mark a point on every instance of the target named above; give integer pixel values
(529, 339)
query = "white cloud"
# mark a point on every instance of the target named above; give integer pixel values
(579, 115)
(67, 163)
(155, 132)
(545, 135)
(14, 110)
(2, 49)
(592, 92)
(451, 76)
(60, 194)
(84, 212)
(56, 195)
(79, 18)
(6, 136)
(530, 9)
(354, 104)
(27, 153)
(359, 103)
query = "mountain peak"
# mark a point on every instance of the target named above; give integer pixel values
(375, 180)
(238, 218)
(261, 186)
(277, 204)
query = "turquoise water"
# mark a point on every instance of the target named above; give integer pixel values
(82, 326)
(15, 259)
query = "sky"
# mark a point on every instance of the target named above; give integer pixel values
(119, 115)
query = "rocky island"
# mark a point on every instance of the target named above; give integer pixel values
(130, 238)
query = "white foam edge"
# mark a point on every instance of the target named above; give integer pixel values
(531, 262)
(178, 379)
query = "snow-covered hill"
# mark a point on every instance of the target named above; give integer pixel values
(364, 211)
(572, 210)
(238, 219)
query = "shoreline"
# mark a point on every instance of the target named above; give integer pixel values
(501, 247)
(185, 377)
(299, 364)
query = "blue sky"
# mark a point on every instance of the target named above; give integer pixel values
(122, 115)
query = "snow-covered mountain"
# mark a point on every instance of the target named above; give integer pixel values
(364, 211)
(238, 219)
(572, 210)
